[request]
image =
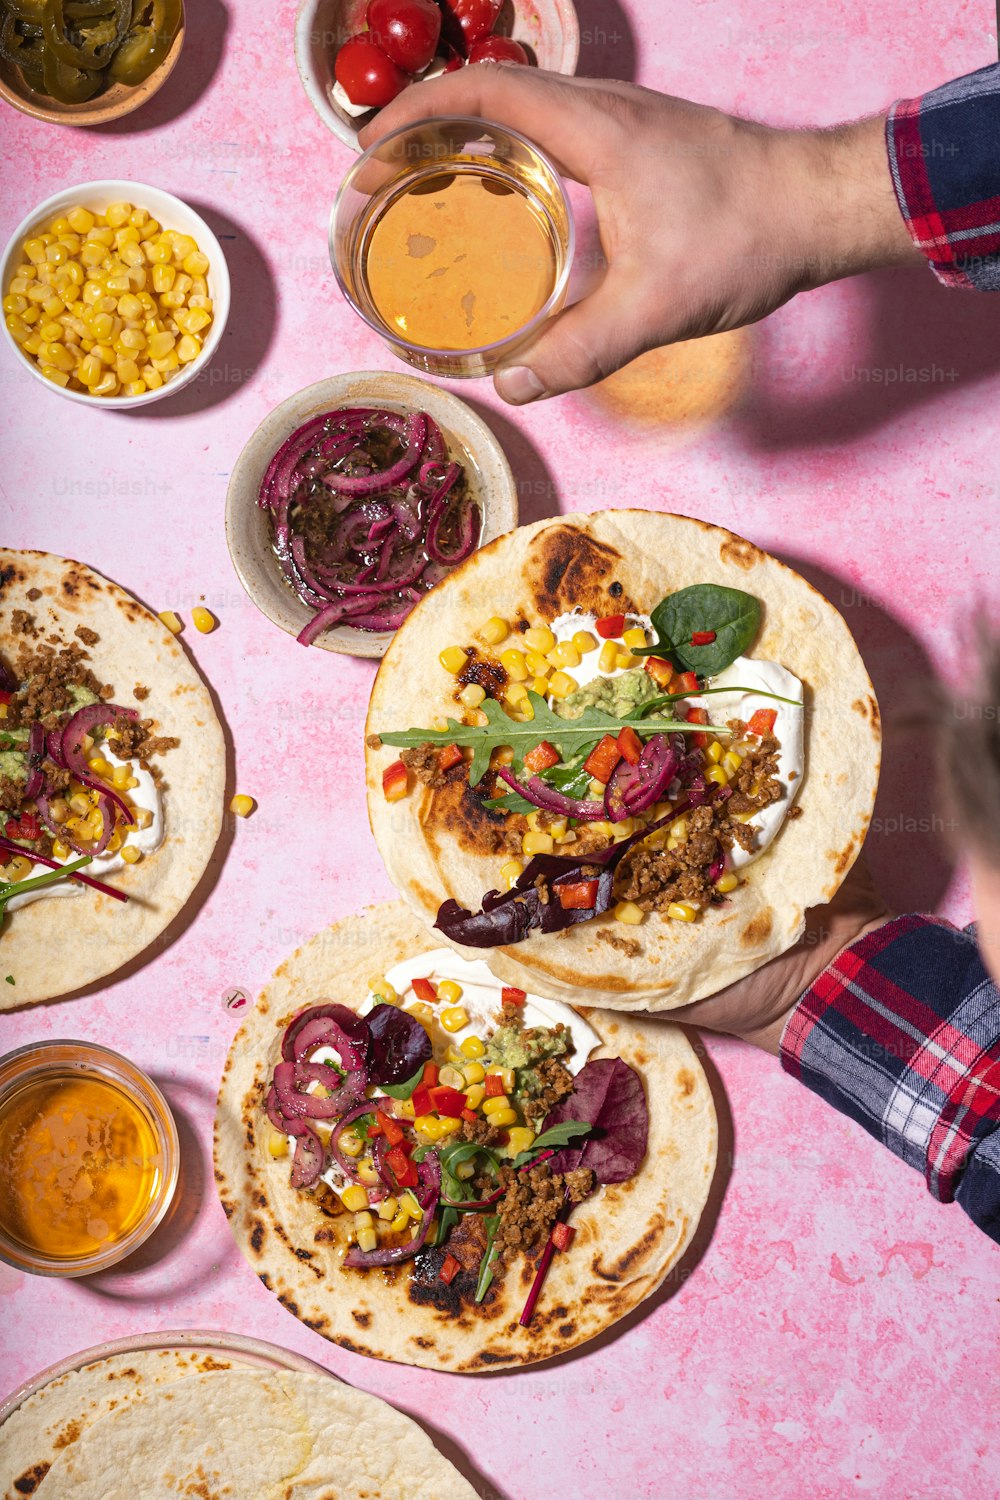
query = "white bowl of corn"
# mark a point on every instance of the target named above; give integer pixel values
(115, 293)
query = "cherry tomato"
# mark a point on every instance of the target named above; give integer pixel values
(406, 30)
(365, 73)
(498, 49)
(474, 19)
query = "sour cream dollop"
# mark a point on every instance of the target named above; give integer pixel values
(746, 672)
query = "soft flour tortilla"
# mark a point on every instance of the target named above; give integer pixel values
(440, 844)
(254, 1435)
(627, 1236)
(135, 648)
(55, 1417)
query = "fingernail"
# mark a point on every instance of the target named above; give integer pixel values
(519, 385)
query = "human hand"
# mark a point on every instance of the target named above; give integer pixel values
(707, 222)
(757, 1007)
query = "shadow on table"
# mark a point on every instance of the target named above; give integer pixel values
(168, 1265)
(607, 41)
(248, 334)
(908, 839)
(689, 1261)
(205, 26)
(537, 489)
(179, 923)
(918, 340)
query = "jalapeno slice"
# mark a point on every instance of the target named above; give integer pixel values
(88, 39)
(146, 45)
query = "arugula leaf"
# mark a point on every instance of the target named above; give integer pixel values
(486, 1264)
(446, 1223)
(654, 703)
(454, 1155)
(403, 1090)
(570, 736)
(733, 615)
(556, 1135)
(571, 781)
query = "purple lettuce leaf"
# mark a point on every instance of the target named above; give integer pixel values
(399, 1045)
(609, 1095)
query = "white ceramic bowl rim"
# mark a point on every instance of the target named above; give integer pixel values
(520, 335)
(117, 189)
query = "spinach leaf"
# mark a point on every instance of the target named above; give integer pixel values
(733, 615)
(486, 1264)
(446, 1223)
(403, 1090)
(572, 781)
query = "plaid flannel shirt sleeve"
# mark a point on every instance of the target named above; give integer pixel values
(902, 1033)
(944, 156)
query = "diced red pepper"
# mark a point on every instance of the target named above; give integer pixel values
(391, 1129)
(468, 1114)
(661, 671)
(542, 757)
(424, 990)
(762, 722)
(610, 627)
(702, 637)
(630, 745)
(687, 682)
(429, 1076)
(447, 1101)
(450, 1268)
(5, 697)
(421, 1100)
(374, 1130)
(603, 758)
(30, 826)
(697, 715)
(511, 995)
(448, 757)
(580, 896)
(402, 1167)
(562, 1235)
(395, 782)
(700, 740)
(494, 1086)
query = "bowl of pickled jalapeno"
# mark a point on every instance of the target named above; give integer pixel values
(83, 62)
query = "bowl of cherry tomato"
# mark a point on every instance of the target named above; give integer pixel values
(355, 56)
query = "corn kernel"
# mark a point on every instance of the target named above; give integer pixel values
(717, 774)
(405, 1110)
(203, 619)
(116, 215)
(100, 766)
(732, 761)
(421, 1012)
(451, 1078)
(714, 753)
(242, 805)
(509, 873)
(501, 1117)
(367, 1238)
(350, 1142)
(449, 992)
(516, 695)
(18, 868)
(455, 1018)
(629, 913)
(60, 850)
(277, 1144)
(367, 1173)
(387, 1209)
(171, 621)
(584, 642)
(354, 1198)
(409, 1205)
(514, 664)
(453, 659)
(472, 695)
(465, 1170)
(537, 843)
(473, 1047)
(127, 370)
(80, 220)
(624, 660)
(143, 817)
(195, 264)
(188, 348)
(428, 1126)
(454, 1057)
(540, 638)
(682, 911)
(106, 386)
(561, 685)
(726, 883)
(521, 1138)
(635, 636)
(131, 855)
(474, 1095)
(400, 1222)
(448, 1125)
(536, 664)
(495, 1102)
(608, 659)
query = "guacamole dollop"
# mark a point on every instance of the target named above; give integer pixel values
(619, 696)
(512, 1046)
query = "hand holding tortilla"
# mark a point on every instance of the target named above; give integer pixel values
(641, 732)
(430, 1167)
(111, 775)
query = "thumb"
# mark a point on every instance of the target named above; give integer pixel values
(588, 341)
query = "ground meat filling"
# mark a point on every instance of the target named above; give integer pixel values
(133, 738)
(483, 1133)
(532, 1202)
(545, 1084)
(654, 877)
(48, 672)
(425, 763)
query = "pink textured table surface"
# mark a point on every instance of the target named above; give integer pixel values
(830, 1335)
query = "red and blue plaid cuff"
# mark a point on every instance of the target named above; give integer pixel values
(902, 1033)
(944, 156)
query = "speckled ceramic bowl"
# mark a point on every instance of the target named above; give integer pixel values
(547, 29)
(248, 531)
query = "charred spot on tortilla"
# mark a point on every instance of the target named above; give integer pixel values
(457, 813)
(484, 671)
(844, 858)
(615, 589)
(257, 1234)
(570, 570)
(686, 1082)
(28, 1482)
(361, 1318)
(757, 930)
(743, 554)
